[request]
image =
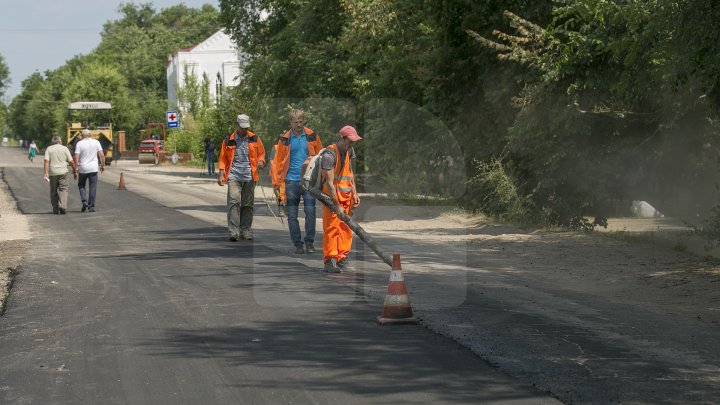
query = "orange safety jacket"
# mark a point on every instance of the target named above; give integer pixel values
(256, 151)
(279, 190)
(344, 177)
(281, 161)
(337, 235)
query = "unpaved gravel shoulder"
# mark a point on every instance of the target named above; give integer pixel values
(14, 240)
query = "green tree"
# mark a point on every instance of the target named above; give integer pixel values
(19, 104)
(99, 82)
(194, 99)
(4, 76)
(4, 82)
(608, 109)
(138, 45)
(367, 50)
(127, 69)
(194, 95)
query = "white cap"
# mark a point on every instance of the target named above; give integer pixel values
(243, 120)
(86, 132)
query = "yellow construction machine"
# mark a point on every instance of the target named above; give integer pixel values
(95, 117)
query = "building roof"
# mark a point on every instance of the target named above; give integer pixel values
(219, 41)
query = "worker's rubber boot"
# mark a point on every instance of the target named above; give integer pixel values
(331, 266)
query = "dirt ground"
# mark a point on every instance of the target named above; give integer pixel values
(654, 261)
(14, 241)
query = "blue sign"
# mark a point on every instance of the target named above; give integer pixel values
(172, 119)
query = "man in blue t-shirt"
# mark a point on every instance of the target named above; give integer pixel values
(292, 149)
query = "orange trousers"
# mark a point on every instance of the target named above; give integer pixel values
(337, 235)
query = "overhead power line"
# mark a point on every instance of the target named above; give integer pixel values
(46, 30)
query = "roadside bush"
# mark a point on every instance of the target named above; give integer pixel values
(494, 192)
(189, 139)
(710, 230)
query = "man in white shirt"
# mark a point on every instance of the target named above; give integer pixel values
(57, 158)
(89, 158)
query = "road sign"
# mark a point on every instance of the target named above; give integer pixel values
(172, 119)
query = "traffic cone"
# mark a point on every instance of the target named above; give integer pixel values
(121, 186)
(397, 308)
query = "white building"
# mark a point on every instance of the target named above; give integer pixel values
(217, 57)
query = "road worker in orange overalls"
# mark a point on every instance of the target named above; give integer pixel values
(339, 184)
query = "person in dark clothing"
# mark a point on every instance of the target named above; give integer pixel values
(210, 155)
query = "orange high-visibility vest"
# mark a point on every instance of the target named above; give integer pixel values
(281, 161)
(256, 152)
(279, 189)
(337, 235)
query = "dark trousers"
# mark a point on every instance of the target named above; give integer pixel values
(82, 179)
(293, 193)
(210, 157)
(241, 205)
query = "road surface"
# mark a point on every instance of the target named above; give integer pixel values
(588, 319)
(141, 303)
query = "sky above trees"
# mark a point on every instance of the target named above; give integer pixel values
(41, 35)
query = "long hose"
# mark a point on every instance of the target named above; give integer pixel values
(359, 231)
(262, 190)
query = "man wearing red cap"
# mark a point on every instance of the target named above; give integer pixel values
(339, 184)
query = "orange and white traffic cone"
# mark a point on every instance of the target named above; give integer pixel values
(397, 309)
(121, 186)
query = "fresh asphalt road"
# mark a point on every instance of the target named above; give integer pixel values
(140, 303)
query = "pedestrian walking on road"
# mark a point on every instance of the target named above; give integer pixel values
(32, 151)
(210, 155)
(339, 184)
(89, 158)
(57, 157)
(293, 148)
(241, 155)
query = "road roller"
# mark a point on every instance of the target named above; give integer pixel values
(152, 148)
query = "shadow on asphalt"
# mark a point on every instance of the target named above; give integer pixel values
(209, 208)
(328, 357)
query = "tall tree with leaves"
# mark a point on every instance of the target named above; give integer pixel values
(609, 109)
(4, 76)
(19, 106)
(4, 81)
(138, 45)
(99, 82)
